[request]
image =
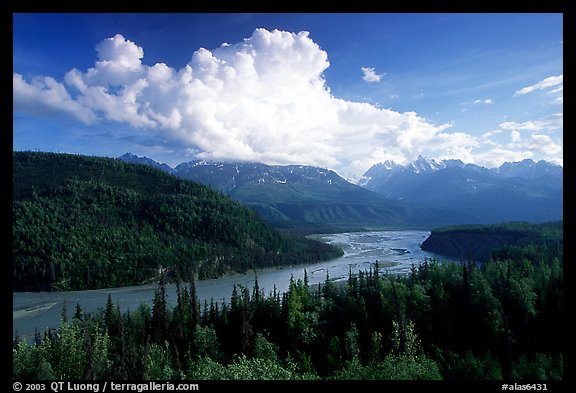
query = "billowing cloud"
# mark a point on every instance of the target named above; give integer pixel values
(534, 144)
(46, 97)
(541, 144)
(543, 84)
(516, 141)
(526, 140)
(370, 75)
(263, 99)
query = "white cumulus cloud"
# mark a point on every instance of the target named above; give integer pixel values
(44, 96)
(370, 75)
(262, 99)
(542, 144)
(526, 140)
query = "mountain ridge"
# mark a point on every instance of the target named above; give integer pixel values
(523, 169)
(524, 190)
(452, 191)
(298, 196)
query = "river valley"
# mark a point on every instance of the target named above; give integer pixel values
(396, 252)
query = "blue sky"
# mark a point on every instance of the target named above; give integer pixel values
(342, 91)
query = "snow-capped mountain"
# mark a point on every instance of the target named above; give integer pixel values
(524, 190)
(307, 196)
(423, 165)
(227, 176)
(529, 169)
(426, 191)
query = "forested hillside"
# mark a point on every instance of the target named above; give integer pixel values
(478, 242)
(501, 321)
(85, 222)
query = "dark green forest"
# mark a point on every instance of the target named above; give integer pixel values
(500, 320)
(83, 222)
(479, 242)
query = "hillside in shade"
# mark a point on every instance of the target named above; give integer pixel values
(483, 242)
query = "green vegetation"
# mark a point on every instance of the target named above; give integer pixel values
(500, 321)
(479, 242)
(521, 229)
(86, 222)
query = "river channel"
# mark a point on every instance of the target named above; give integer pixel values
(395, 251)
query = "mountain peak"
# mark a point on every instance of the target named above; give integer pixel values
(524, 190)
(386, 165)
(134, 159)
(422, 164)
(128, 156)
(529, 169)
(454, 163)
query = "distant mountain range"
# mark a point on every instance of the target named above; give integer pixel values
(306, 197)
(525, 190)
(426, 192)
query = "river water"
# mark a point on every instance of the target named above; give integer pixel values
(395, 251)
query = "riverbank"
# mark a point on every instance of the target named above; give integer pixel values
(396, 252)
